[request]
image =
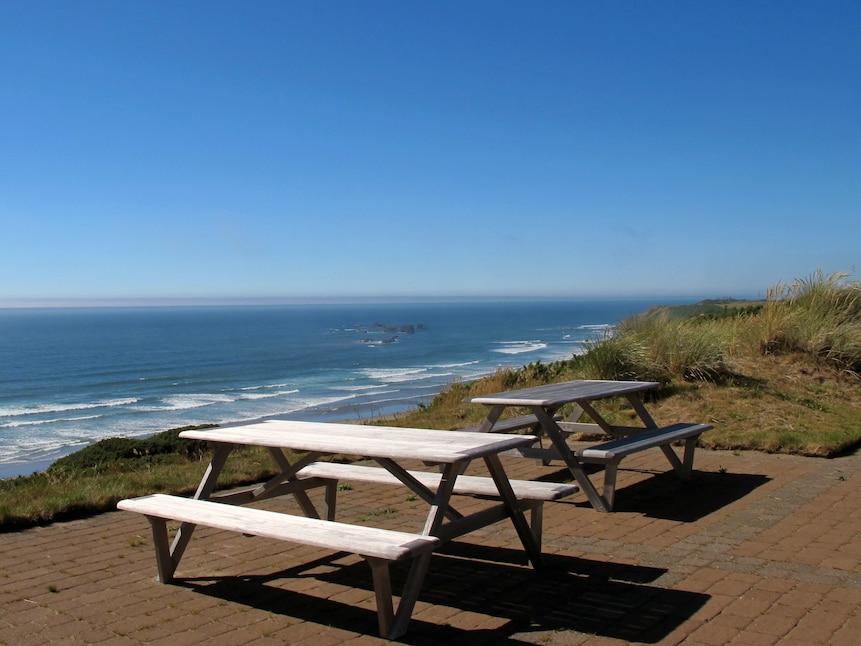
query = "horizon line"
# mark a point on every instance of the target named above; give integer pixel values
(202, 301)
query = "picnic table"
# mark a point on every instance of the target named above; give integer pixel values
(389, 447)
(545, 401)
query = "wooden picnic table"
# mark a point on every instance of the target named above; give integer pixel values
(545, 401)
(388, 446)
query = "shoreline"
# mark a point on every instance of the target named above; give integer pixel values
(13, 470)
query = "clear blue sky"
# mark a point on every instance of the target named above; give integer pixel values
(366, 148)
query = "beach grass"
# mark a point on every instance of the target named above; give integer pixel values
(780, 375)
(94, 479)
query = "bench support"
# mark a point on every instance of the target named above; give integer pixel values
(204, 490)
(626, 441)
(610, 454)
(163, 557)
(394, 625)
(381, 547)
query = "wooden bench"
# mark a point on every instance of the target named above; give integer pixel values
(379, 547)
(531, 494)
(613, 452)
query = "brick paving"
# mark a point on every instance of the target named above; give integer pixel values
(757, 549)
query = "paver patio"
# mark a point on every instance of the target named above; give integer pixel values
(757, 549)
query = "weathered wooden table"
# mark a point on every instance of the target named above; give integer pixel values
(544, 402)
(387, 446)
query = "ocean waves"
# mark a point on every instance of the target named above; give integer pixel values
(71, 378)
(519, 347)
(30, 433)
(51, 420)
(31, 412)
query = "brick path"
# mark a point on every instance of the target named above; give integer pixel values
(758, 549)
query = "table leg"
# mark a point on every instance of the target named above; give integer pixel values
(409, 595)
(440, 503)
(596, 417)
(557, 437)
(524, 531)
(640, 408)
(576, 414)
(383, 594)
(491, 419)
(287, 472)
(204, 490)
(164, 560)
(415, 486)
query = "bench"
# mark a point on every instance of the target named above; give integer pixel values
(532, 494)
(379, 547)
(613, 452)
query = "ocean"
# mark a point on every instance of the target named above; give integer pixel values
(72, 376)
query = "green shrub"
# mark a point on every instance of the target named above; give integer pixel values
(535, 373)
(658, 348)
(690, 350)
(105, 454)
(614, 356)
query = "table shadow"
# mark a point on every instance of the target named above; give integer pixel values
(597, 569)
(573, 594)
(664, 495)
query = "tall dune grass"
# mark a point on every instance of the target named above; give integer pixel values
(819, 315)
(658, 348)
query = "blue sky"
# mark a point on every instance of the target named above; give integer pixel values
(312, 149)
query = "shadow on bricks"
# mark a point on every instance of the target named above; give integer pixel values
(588, 596)
(662, 494)
(667, 497)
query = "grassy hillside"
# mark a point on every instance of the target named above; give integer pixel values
(777, 375)
(780, 375)
(710, 308)
(790, 403)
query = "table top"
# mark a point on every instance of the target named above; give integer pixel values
(565, 392)
(370, 441)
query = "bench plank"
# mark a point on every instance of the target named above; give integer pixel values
(612, 452)
(530, 495)
(340, 537)
(464, 485)
(379, 547)
(622, 447)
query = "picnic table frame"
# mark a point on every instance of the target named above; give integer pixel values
(388, 446)
(545, 401)
(452, 450)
